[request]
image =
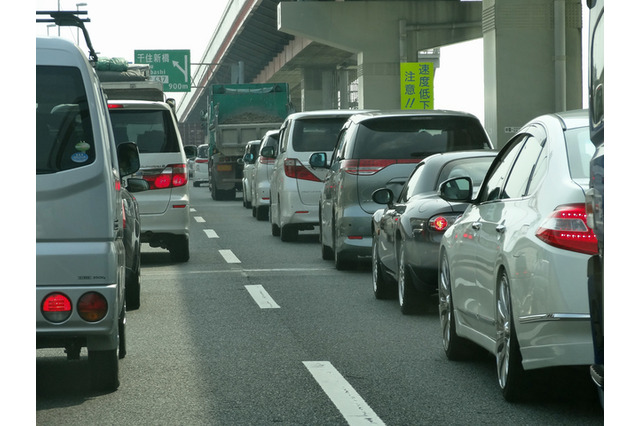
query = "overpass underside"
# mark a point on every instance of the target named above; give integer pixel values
(346, 54)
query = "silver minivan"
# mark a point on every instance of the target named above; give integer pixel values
(80, 253)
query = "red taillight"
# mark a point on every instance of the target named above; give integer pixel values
(172, 176)
(92, 306)
(439, 223)
(294, 169)
(371, 167)
(202, 160)
(266, 160)
(124, 216)
(56, 307)
(115, 106)
(566, 228)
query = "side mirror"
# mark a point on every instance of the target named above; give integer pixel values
(249, 158)
(191, 151)
(458, 189)
(268, 152)
(383, 196)
(128, 158)
(318, 160)
(137, 185)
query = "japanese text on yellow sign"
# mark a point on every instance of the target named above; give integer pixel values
(416, 85)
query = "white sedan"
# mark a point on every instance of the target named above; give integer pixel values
(513, 268)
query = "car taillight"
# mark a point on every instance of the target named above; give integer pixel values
(124, 216)
(293, 168)
(265, 160)
(367, 167)
(566, 228)
(174, 175)
(202, 160)
(92, 306)
(56, 307)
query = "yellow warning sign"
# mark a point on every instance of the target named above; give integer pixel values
(416, 85)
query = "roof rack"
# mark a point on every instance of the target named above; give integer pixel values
(70, 19)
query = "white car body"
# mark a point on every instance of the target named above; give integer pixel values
(249, 160)
(294, 200)
(496, 249)
(200, 166)
(260, 179)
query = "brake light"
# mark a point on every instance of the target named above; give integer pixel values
(124, 216)
(92, 306)
(174, 175)
(566, 228)
(202, 160)
(115, 106)
(439, 223)
(368, 167)
(56, 307)
(265, 160)
(293, 168)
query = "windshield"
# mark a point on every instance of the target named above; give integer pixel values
(151, 130)
(64, 138)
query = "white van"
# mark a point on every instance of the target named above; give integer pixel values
(80, 254)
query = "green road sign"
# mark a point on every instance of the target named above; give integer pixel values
(171, 67)
(416, 85)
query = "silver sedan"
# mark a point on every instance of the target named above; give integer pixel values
(512, 269)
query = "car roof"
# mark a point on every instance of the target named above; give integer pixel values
(409, 113)
(445, 157)
(573, 119)
(140, 104)
(324, 113)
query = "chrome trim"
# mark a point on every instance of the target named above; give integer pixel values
(554, 317)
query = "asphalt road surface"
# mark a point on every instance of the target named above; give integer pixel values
(255, 331)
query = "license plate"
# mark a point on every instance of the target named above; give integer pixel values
(224, 167)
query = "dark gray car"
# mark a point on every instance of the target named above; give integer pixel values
(381, 149)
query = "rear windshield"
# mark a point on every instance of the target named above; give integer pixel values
(203, 151)
(317, 134)
(64, 139)
(418, 137)
(151, 130)
(580, 150)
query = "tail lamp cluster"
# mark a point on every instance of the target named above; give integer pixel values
(173, 176)
(371, 167)
(58, 307)
(566, 228)
(293, 168)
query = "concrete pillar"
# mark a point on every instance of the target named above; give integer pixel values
(527, 73)
(318, 89)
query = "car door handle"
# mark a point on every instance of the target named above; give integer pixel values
(475, 225)
(500, 228)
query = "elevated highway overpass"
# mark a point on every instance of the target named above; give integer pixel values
(346, 54)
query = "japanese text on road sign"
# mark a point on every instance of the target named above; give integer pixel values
(416, 85)
(171, 67)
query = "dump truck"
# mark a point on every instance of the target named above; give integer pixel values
(239, 113)
(123, 81)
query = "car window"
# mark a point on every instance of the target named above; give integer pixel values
(475, 168)
(317, 134)
(491, 188)
(417, 137)
(203, 151)
(415, 184)
(152, 130)
(341, 145)
(519, 178)
(64, 138)
(580, 150)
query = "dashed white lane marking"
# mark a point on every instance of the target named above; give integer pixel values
(191, 209)
(352, 407)
(211, 233)
(229, 256)
(198, 219)
(261, 297)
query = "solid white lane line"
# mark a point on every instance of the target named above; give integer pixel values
(211, 233)
(352, 407)
(229, 256)
(261, 297)
(198, 219)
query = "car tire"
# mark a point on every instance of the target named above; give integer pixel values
(179, 249)
(408, 297)
(382, 288)
(508, 356)
(132, 290)
(262, 213)
(455, 347)
(288, 233)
